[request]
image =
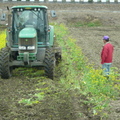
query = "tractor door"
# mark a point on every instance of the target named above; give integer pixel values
(15, 26)
(43, 27)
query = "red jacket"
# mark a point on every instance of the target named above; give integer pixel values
(107, 53)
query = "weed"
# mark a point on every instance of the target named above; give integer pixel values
(31, 72)
(36, 98)
(87, 24)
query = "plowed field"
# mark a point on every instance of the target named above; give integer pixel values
(64, 106)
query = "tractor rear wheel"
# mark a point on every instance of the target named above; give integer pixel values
(5, 69)
(49, 63)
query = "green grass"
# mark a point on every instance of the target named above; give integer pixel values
(86, 24)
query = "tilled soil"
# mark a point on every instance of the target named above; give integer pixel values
(64, 106)
(90, 38)
(57, 104)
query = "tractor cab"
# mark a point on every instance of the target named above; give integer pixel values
(28, 21)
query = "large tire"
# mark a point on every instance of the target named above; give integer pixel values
(49, 63)
(5, 69)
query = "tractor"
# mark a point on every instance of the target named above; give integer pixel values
(30, 41)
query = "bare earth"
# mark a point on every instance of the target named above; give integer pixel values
(90, 41)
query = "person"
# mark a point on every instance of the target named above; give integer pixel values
(31, 20)
(106, 56)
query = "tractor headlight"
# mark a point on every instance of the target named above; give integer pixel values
(22, 48)
(30, 47)
(21, 9)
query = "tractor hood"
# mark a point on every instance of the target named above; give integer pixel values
(27, 33)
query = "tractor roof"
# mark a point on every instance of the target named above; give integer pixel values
(29, 6)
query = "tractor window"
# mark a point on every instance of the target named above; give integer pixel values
(40, 19)
(20, 20)
(41, 15)
(27, 18)
(41, 26)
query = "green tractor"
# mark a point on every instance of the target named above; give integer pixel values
(30, 41)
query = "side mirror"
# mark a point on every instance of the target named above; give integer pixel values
(53, 14)
(3, 17)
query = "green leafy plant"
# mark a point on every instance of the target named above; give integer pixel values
(35, 99)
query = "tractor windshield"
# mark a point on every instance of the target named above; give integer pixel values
(23, 18)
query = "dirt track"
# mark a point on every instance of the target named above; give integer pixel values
(90, 41)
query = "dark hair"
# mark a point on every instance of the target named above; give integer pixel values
(107, 40)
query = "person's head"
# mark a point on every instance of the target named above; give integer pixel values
(106, 39)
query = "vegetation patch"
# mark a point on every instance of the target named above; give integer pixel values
(84, 78)
(86, 21)
(2, 39)
(31, 72)
(95, 23)
(88, 24)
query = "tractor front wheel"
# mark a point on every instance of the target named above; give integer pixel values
(5, 69)
(49, 63)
